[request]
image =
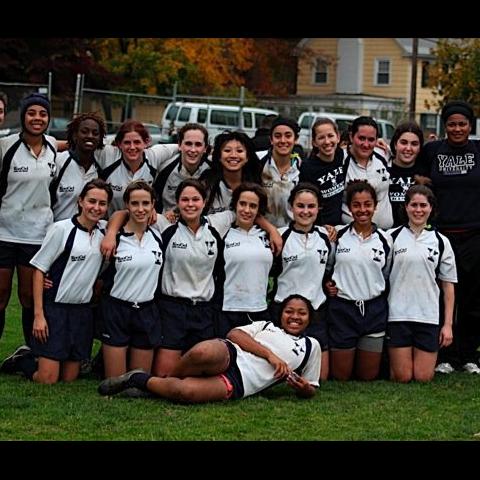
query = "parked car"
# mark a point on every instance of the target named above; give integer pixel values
(154, 130)
(343, 120)
(58, 127)
(215, 118)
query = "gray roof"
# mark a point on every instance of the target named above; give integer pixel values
(424, 45)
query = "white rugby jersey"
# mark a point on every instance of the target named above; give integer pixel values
(193, 262)
(301, 266)
(416, 265)
(134, 274)
(70, 178)
(221, 202)
(248, 260)
(71, 256)
(257, 373)
(278, 188)
(377, 175)
(25, 212)
(118, 174)
(169, 177)
(361, 266)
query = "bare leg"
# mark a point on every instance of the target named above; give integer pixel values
(70, 370)
(190, 389)
(424, 365)
(165, 362)
(48, 371)
(115, 360)
(324, 366)
(342, 363)
(401, 364)
(367, 364)
(210, 357)
(140, 358)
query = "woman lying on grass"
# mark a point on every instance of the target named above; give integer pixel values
(253, 358)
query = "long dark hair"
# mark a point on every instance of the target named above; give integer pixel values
(251, 171)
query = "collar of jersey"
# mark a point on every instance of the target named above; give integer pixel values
(203, 221)
(301, 231)
(127, 166)
(79, 225)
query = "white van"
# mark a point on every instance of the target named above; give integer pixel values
(343, 120)
(216, 118)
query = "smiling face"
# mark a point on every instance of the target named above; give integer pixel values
(363, 142)
(190, 204)
(36, 120)
(305, 210)
(247, 209)
(192, 147)
(87, 138)
(295, 316)
(233, 156)
(418, 210)
(457, 128)
(407, 148)
(140, 206)
(283, 140)
(362, 208)
(132, 147)
(94, 206)
(326, 140)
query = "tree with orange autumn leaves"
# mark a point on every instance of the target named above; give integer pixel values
(202, 66)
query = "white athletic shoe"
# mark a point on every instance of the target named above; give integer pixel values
(444, 367)
(471, 367)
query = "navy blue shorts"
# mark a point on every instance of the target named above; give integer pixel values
(12, 254)
(229, 320)
(317, 328)
(348, 321)
(126, 324)
(423, 336)
(233, 373)
(184, 324)
(70, 330)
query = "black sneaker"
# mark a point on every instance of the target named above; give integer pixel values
(134, 392)
(10, 364)
(114, 385)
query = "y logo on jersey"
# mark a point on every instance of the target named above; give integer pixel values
(265, 240)
(158, 257)
(323, 256)
(382, 172)
(377, 254)
(298, 349)
(53, 169)
(432, 253)
(209, 245)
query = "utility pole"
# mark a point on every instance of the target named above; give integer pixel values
(413, 80)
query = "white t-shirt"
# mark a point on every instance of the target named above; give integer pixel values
(71, 256)
(417, 264)
(257, 373)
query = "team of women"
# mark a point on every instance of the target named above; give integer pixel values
(199, 245)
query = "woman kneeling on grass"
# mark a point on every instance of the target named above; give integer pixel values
(63, 321)
(423, 262)
(253, 358)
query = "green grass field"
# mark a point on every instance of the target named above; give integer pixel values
(446, 409)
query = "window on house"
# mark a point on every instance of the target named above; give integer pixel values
(382, 72)
(321, 72)
(425, 76)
